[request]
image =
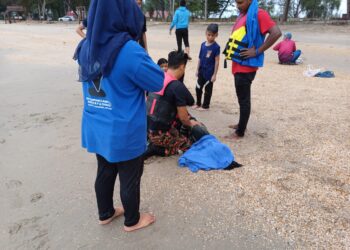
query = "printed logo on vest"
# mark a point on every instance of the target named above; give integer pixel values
(96, 91)
(209, 53)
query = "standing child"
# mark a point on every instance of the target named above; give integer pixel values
(208, 64)
(181, 21)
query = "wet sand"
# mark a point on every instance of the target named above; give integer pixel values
(292, 193)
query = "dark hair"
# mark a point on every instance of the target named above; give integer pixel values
(162, 61)
(177, 58)
(182, 3)
(213, 27)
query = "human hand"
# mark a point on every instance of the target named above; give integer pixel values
(169, 32)
(213, 78)
(194, 123)
(248, 53)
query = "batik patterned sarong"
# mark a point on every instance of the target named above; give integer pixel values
(173, 141)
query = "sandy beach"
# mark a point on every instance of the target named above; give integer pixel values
(292, 193)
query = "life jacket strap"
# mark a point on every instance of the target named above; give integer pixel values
(245, 45)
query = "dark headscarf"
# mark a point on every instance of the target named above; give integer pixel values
(111, 23)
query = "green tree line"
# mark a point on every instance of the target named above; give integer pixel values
(159, 8)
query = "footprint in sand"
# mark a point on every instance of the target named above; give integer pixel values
(151, 160)
(261, 134)
(294, 118)
(2, 141)
(229, 112)
(239, 191)
(36, 197)
(29, 234)
(46, 118)
(13, 184)
(16, 227)
(63, 147)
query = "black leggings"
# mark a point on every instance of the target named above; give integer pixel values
(130, 173)
(243, 81)
(182, 34)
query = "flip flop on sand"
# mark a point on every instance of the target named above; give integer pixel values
(118, 211)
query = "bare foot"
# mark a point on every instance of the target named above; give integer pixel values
(118, 211)
(233, 126)
(196, 107)
(202, 109)
(145, 220)
(233, 136)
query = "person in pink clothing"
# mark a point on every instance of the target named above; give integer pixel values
(287, 52)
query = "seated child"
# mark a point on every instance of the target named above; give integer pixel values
(287, 52)
(163, 63)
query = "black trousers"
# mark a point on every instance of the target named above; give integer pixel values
(182, 34)
(243, 82)
(130, 173)
(208, 87)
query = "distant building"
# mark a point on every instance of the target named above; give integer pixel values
(14, 13)
(158, 14)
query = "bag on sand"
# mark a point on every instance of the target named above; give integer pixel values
(325, 74)
(310, 72)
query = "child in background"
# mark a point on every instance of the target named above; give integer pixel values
(80, 29)
(208, 64)
(163, 64)
(287, 52)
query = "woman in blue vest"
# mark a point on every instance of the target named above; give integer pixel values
(115, 72)
(180, 21)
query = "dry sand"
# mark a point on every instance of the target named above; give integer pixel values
(292, 193)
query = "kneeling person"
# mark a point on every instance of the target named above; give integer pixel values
(167, 115)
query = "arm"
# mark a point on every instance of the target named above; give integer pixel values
(189, 16)
(277, 47)
(294, 47)
(173, 23)
(185, 117)
(198, 65)
(148, 75)
(80, 29)
(274, 34)
(144, 38)
(217, 62)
